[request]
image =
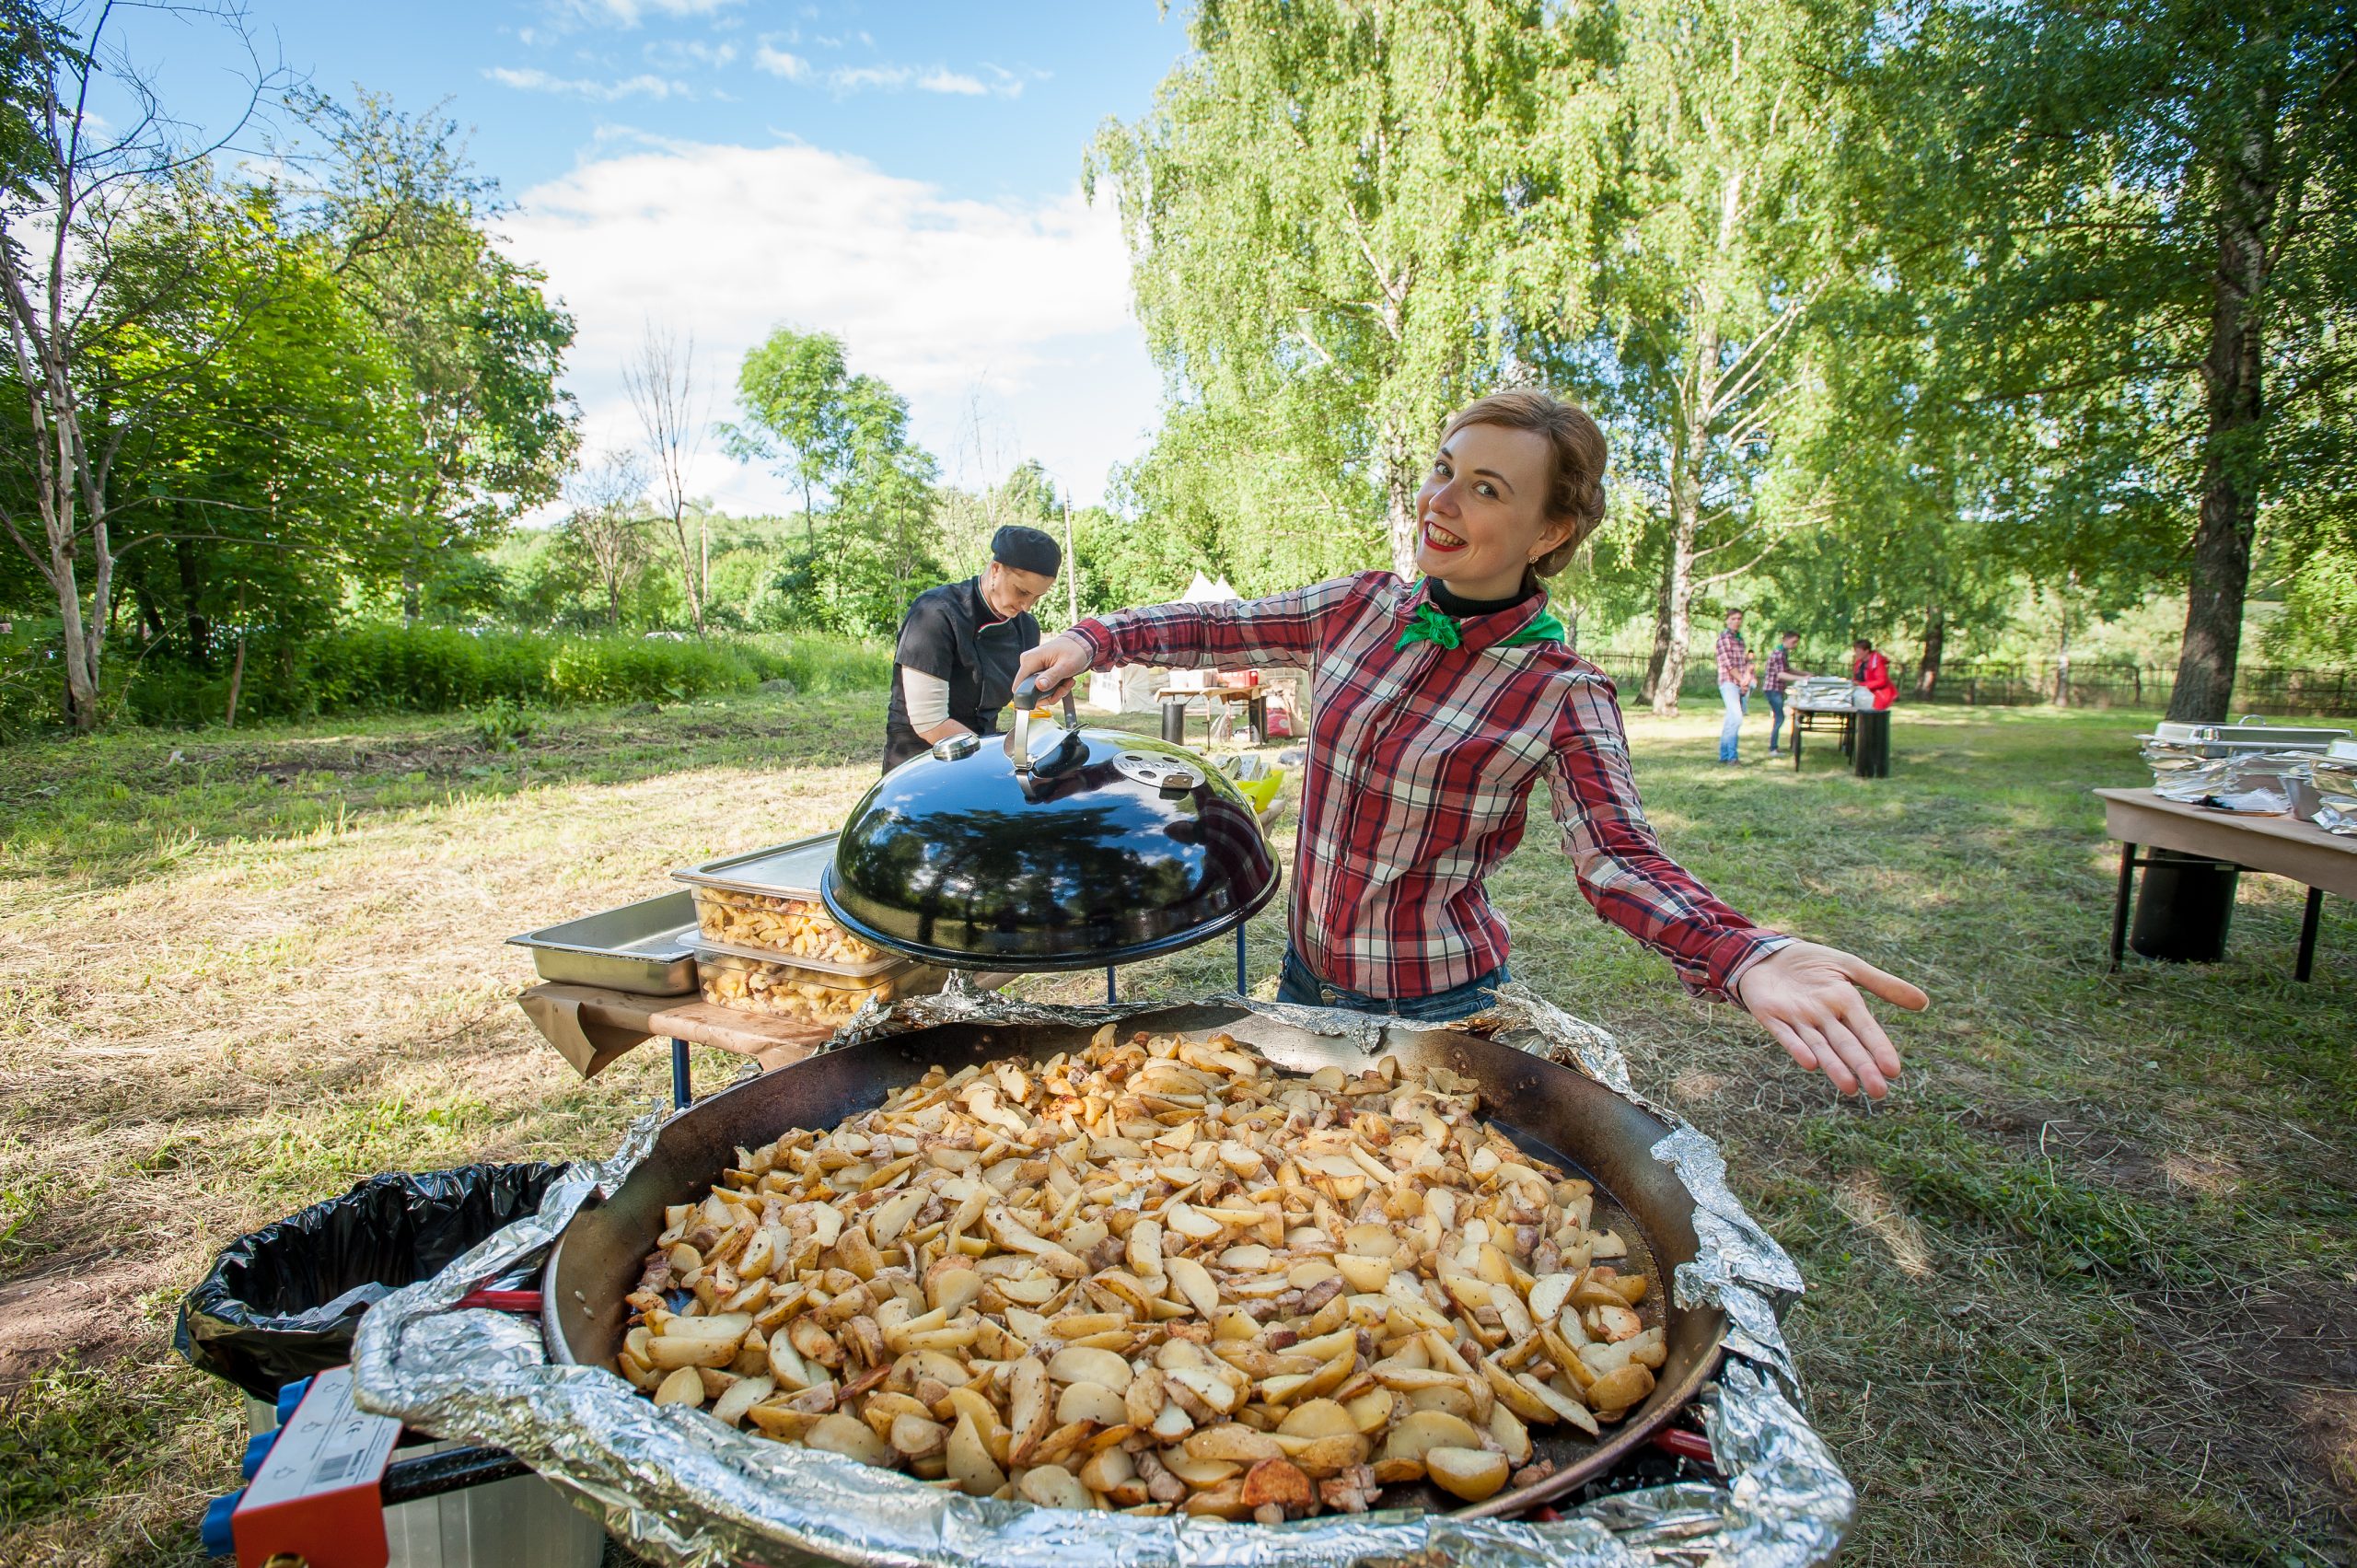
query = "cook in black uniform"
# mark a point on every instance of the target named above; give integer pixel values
(953, 669)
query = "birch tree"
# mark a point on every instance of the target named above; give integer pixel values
(608, 525)
(1722, 253)
(660, 381)
(1342, 217)
(76, 277)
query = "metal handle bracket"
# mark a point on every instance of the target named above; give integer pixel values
(1018, 739)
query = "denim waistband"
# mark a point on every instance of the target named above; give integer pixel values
(1301, 985)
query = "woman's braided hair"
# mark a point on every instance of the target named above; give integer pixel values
(1576, 493)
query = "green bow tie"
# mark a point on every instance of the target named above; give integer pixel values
(1429, 625)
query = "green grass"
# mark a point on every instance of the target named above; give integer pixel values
(2083, 1291)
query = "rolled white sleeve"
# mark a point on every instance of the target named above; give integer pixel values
(926, 697)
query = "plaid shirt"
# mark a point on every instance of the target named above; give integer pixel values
(1422, 761)
(1779, 670)
(1734, 660)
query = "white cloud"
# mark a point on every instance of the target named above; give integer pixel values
(1020, 308)
(852, 78)
(678, 54)
(629, 13)
(778, 63)
(894, 78)
(644, 84)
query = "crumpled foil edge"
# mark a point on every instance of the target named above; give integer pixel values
(680, 1487)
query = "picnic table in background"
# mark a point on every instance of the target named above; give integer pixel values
(2281, 846)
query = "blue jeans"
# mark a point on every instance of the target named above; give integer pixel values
(1301, 987)
(1775, 716)
(1732, 694)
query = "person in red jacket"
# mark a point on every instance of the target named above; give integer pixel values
(1871, 670)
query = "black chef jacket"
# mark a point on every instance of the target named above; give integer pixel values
(951, 633)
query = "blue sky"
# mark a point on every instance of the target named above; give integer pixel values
(906, 176)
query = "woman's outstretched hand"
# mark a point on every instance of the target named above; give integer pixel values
(1805, 994)
(1058, 662)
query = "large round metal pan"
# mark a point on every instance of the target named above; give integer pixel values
(1556, 1112)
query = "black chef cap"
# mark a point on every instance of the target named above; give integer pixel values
(1026, 549)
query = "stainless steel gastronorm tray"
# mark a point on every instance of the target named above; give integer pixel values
(785, 871)
(647, 949)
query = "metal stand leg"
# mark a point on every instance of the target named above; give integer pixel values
(2120, 905)
(1112, 990)
(2306, 966)
(681, 1095)
(1796, 745)
(1239, 960)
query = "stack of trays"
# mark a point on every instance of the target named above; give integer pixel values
(765, 942)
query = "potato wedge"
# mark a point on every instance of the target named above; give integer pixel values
(1157, 1275)
(849, 1435)
(1474, 1474)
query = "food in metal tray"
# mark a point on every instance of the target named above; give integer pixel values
(800, 928)
(1157, 1275)
(786, 989)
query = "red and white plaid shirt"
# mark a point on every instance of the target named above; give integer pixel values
(1422, 761)
(1734, 660)
(1779, 672)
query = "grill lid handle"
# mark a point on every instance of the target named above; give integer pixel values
(1018, 739)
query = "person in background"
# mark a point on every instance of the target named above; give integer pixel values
(1773, 680)
(954, 668)
(1871, 670)
(1734, 682)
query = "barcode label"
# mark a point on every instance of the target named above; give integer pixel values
(330, 1446)
(337, 1467)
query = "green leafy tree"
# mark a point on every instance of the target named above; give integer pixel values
(1707, 367)
(887, 527)
(249, 481)
(76, 273)
(1343, 218)
(478, 341)
(792, 388)
(2130, 222)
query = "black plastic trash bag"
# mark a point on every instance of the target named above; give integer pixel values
(283, 1302)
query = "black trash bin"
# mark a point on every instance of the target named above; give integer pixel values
(283, 1302)
(1870, 757)
(2183, 908)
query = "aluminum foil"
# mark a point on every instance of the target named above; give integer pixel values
(2336, 787)
(680, 1487)
(2249, 781)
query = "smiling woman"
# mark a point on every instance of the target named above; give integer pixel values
(1439, 705)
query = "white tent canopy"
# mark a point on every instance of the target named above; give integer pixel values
(1131, 688)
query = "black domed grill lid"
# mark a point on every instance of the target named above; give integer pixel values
(1105, 849)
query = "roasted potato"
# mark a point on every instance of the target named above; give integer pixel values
(1153, 1274)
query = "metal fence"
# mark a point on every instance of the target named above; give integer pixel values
(2258, 688)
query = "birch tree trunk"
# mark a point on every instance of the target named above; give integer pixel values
(1402, 476)
(1694, 414)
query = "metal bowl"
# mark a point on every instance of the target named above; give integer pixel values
(1099, 847)
(1561, 1114)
